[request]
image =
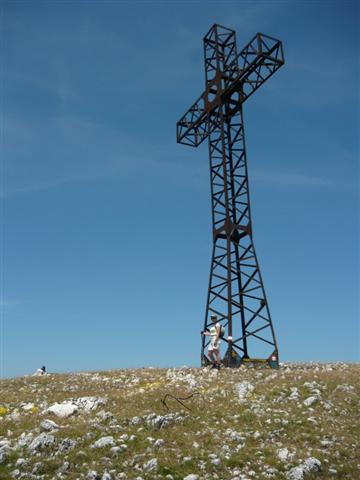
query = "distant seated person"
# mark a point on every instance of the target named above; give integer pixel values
(39, 372)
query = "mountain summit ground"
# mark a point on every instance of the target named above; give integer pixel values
(300, 422)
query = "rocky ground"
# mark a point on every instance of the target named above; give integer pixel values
(298, 423)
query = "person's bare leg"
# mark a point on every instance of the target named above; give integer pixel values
(217, 356)
(211, 356)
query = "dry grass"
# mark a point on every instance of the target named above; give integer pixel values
(266, 421)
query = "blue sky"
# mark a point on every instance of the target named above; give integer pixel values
(106, 240)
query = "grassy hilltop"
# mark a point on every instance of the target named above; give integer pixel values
(300, 422)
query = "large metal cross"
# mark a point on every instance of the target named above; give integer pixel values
(236, 294)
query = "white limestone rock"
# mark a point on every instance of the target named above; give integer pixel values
(104, 442)
(345, 388)
(93, 475)
(151, 465)
(294, 395)
(82, 404)
(88, 404)
(48, 425)
(161, 421)
(283, 454)
(42, 441)
(64, 467)
(310, 401)
(243, 390)
(159, 443)
(15, 415)
(66, 444)
(135, 420)
(312, 464)
(296, 473)
(62, 410)
(24, 439)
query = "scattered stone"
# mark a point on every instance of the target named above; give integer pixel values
(135, 420)
(312, 464)
(48, 425)
(233, 435)
(41, 442)
(118, 449)
(3, 455)
(345, 388)
(294, 395)
(105, 415)
(159, 443)
(93, 475)
(151, 465)
(161, 421)
(25, 439)
(66, 444)
(296, 473)
(89, 403)
(62, 410)
(15, 415)
(64, 467)
(244, 389)
(283, 454)
(310, 401)
(69, 407)
(104, 442)
(326, 443)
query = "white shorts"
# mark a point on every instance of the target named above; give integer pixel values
(212, 346)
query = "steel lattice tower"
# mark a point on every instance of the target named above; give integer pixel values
(236, 292)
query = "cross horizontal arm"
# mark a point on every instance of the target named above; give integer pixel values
(258, 60)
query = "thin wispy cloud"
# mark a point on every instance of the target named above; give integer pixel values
(8, 303)
(54, 151)
(291, 179)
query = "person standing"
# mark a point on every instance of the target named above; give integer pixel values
(214, 345)
(40, 371)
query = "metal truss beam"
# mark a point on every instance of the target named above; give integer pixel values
(236, 292)
(240, 77)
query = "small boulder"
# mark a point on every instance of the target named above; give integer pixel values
(62, 410)
(310, 401)
(244, 389)
(283, 454)
(104, 442)
(296, 473)
(44, 440)
(151, 465)
(48, 425)
(93, 475)
(312, 464)
(66, 444)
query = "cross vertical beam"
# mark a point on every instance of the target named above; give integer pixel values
(236, 292)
